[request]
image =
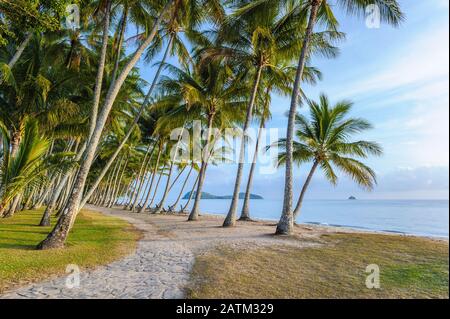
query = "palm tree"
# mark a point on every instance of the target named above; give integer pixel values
(278, 79)
(59, 234)
(193, 14)
(325, 139)
(259, 36)
(23, 168)
(101, 67)
(208, 92)
(320, 10)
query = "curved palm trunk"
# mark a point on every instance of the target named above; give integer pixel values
(141, 179)
(143, 207)
(119, 188)
(191, 194)
(245, 214)
(147, 179)
(115, 184)
(113, 177)
(45, 221)
(118, 183)
(169, 186)
(128, 191)
(156, 188)
(2, 209)
(123, 26)
(177, 178)
(174, 206)
(193, 216)
(101, 70)
(130, 131)
(59, 234)
(18, 53)
(166, 191)
(304, 189)
(286, 224)
(13, 207)
(230, 220)
(108, 186)
(198, 195)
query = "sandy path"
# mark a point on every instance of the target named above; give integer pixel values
(164, 258)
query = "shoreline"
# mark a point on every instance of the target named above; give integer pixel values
(334, 228)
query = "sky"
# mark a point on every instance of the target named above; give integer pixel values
(398, 79)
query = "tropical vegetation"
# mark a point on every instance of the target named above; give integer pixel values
(81, 122)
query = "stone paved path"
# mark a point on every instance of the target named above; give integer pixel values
(159, 269)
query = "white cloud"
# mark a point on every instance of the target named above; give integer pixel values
(424, 64)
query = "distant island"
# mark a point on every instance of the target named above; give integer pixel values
(352, 198)
(211, 196)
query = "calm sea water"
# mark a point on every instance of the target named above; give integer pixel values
(423, 218)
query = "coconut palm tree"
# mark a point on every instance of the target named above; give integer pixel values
(276, 79)
(24, 167)
(101, 66)
(207, 92)
(59, 234)
(321, 11)
(326, 140)
(193, 14)
(258, 36)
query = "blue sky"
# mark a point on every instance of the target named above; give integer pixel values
(399, 81)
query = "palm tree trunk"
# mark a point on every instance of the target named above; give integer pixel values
(143, 207)
(131, 129)
(177, 178)
(146, 188)
(129, 192)
(108, 185)
(123, 26)
(2, 209)
(118, 183)
(139, 178)
(115, 181)
(286, 224)
(193, 216)
(173, 207)
(245, 214)
(304, 189)
(166, 191)
(191, 194)
(101, 70)
(142, 177)
(45, 221)
(230, 220)
(168, 185)
(58, 235)
(18, 53)
(156, 187)
(13, 207)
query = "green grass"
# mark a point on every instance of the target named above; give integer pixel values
(409, 268)
(95, 240)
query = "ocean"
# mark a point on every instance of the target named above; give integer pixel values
(415, 217)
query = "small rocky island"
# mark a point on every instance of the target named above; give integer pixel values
(211, 196)
(352, 198)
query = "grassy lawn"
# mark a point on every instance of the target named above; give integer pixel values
(409, 268)
(96, 239)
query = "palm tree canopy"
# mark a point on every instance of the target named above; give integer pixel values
(326, 138)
